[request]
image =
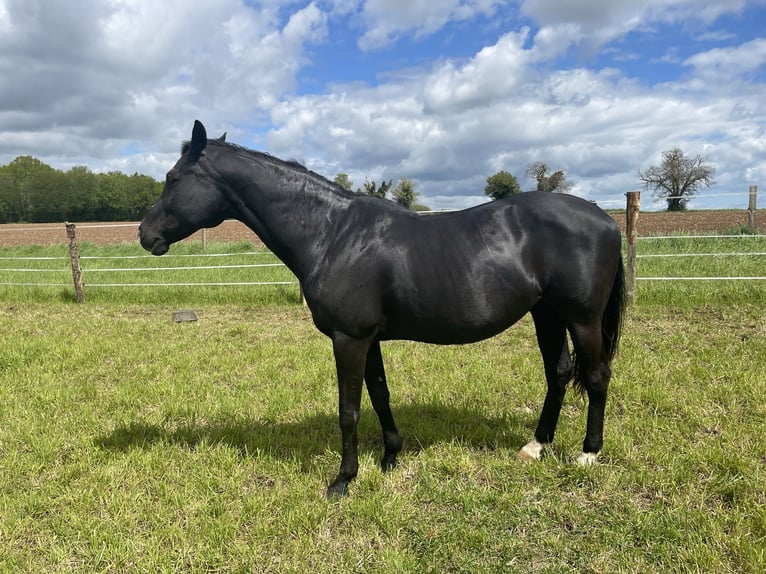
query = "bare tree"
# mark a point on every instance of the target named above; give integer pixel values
(546, 181)
(678, 178)
(372, 188)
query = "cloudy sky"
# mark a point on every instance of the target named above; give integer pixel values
(444, 92)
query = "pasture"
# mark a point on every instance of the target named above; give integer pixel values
(129, 443)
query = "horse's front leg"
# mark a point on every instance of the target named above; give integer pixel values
(350, 356)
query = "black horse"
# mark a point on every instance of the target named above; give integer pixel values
(373, 271)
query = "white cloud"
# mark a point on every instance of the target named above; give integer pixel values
(5, 19)
(493, 72)
(591, 24)
(725, 64)
(130, 70)
(756, 173)
(387, 19)
(609, 18)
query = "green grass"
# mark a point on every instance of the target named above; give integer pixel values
(702, 257)
(129, 443)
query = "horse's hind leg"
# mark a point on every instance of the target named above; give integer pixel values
(375, 378)
(551, 338)
(593, 374)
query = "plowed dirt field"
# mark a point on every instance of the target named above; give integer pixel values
(649, 223)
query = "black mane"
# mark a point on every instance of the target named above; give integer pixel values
(262, 155)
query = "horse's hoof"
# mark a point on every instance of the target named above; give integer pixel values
(587, 458)
(338, 489)
(388, 463)
(530, 452)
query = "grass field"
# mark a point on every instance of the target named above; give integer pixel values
(129, 443)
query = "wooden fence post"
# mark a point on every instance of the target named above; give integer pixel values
(631, 217)
(74, 256)
(751, 227)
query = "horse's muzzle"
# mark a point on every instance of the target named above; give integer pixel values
(151, 242)
(159, 247)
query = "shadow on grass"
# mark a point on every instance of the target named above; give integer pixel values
(420, 425)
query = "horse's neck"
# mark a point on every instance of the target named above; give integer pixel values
(293, 213)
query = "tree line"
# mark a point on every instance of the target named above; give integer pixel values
(33, 192)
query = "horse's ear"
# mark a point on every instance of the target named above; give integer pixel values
(198, 141)
(222, 139)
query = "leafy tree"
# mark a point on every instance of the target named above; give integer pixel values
(30, 185)
(32, 191)
(404, 193)
(502, 184)
(546, 181)
(141, 193)
(678, 178)
(372, 188)
(344, 181)
(82, 193)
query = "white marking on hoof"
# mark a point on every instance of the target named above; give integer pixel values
(530, 452)
(587, 458)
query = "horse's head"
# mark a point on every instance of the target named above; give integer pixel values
(193, 197)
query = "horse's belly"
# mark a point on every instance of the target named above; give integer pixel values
(449, 324)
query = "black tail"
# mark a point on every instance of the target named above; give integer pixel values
(614, 313)
(611, 326)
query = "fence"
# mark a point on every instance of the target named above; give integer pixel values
(632, 218)
(632, 210)
(94, 268)
(80, 293)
